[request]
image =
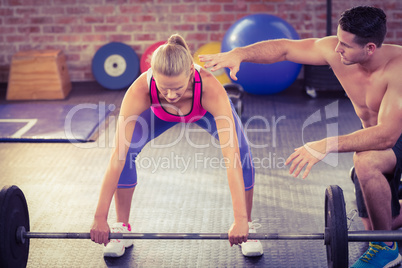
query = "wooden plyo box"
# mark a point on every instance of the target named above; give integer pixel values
(38, 75)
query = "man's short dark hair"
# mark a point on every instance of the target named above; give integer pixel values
(368, 24)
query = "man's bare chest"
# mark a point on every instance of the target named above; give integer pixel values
(365, 92)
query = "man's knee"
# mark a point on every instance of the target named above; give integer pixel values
(365, 166)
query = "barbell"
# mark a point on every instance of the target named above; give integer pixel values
(15, 231)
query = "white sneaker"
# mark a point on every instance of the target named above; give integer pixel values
(117, 247)
(252, 248)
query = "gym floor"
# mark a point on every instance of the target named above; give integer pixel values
(61, 182)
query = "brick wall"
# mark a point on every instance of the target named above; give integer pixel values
(80, 27)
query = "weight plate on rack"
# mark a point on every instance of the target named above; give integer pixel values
(147, 56)
(115, 66)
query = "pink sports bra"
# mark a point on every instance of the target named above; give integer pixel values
(196, 111)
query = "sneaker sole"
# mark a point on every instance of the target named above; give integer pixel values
(116, 255)
(251, 254)
(113, 254)
(394, 262)
(254, 254)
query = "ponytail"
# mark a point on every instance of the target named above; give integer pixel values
(172, 58)
(177, 40)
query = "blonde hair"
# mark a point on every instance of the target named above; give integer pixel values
(172, 58)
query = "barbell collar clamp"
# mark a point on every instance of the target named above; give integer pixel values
(20, 236)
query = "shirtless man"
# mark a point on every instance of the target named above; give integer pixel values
(370, 73)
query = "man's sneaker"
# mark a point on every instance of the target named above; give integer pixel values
(379, 255)
(252, 248)
(117, 247)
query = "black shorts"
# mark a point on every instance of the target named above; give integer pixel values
(393, 180)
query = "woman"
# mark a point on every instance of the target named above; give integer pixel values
(175, 90)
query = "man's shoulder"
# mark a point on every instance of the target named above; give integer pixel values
(326, 46)
(394, 54)
(327, 42)
(393, 50)
(395, 46)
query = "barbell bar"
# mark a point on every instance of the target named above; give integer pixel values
(22, 234)
(15, 231)
(353, 236)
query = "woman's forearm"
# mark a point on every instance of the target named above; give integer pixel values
(236, 183)
(108, 188)
(237, 191)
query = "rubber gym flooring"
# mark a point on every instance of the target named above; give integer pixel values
(61, 182)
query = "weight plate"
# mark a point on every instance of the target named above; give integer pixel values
(115, 66)
(147, 56)
(336, 228)
(13, 213)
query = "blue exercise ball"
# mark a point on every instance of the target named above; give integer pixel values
(262, 79)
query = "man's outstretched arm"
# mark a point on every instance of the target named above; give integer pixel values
(307, 51)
